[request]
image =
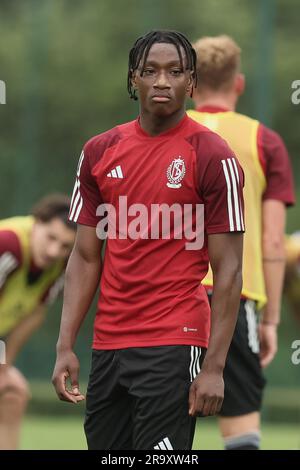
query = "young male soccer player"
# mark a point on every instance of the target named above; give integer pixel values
(153, 320)
(33, 252)
(268, 190)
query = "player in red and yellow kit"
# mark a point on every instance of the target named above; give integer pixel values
(268, 190)
(292, 273)
(33, 253)
(153, 319)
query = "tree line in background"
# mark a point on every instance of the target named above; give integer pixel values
(64, 63)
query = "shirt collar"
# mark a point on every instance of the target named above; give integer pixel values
(212, 109)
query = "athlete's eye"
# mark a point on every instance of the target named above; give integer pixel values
(148, 72)
(176, 72)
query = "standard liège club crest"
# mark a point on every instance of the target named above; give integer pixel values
(175, 173)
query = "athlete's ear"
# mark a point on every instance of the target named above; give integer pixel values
(239, 83)
(190, 84)
(133, 79)
(134, 85)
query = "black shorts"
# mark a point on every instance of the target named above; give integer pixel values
(243, 377)
(137, 398)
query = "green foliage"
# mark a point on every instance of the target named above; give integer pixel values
(65, 65)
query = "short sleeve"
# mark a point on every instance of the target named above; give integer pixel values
(10, 254)
(278, 170)
(222, 191)
(86, 195)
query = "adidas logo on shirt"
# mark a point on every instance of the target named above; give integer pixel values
(116, 173)
(165, 444)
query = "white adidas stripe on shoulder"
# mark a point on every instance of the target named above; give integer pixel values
(235, 194)
(76, 200)
(80, 163)
(235, 213)
(238, 180)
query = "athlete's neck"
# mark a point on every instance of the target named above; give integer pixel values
(155, 125)
(216, 99)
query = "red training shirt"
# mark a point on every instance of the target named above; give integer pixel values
(150, 289)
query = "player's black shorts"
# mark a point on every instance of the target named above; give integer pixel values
(243, 377)
(137, 398)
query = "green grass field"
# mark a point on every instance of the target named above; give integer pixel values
(67, 433)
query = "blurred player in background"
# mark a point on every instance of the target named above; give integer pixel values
(153, 319)
(33, 254)
(292, 273)
(268, 190)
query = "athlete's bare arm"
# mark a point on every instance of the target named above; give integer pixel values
(273, 216)
(225, 253)
(82, 278)
(18, 337)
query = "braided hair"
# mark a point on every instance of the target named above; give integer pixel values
(143, 45)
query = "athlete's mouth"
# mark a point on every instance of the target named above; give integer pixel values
(48, 260)
(161, 98)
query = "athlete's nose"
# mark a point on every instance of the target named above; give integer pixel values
(161, 80)
(53, 250)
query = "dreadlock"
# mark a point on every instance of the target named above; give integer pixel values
(143, 45)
